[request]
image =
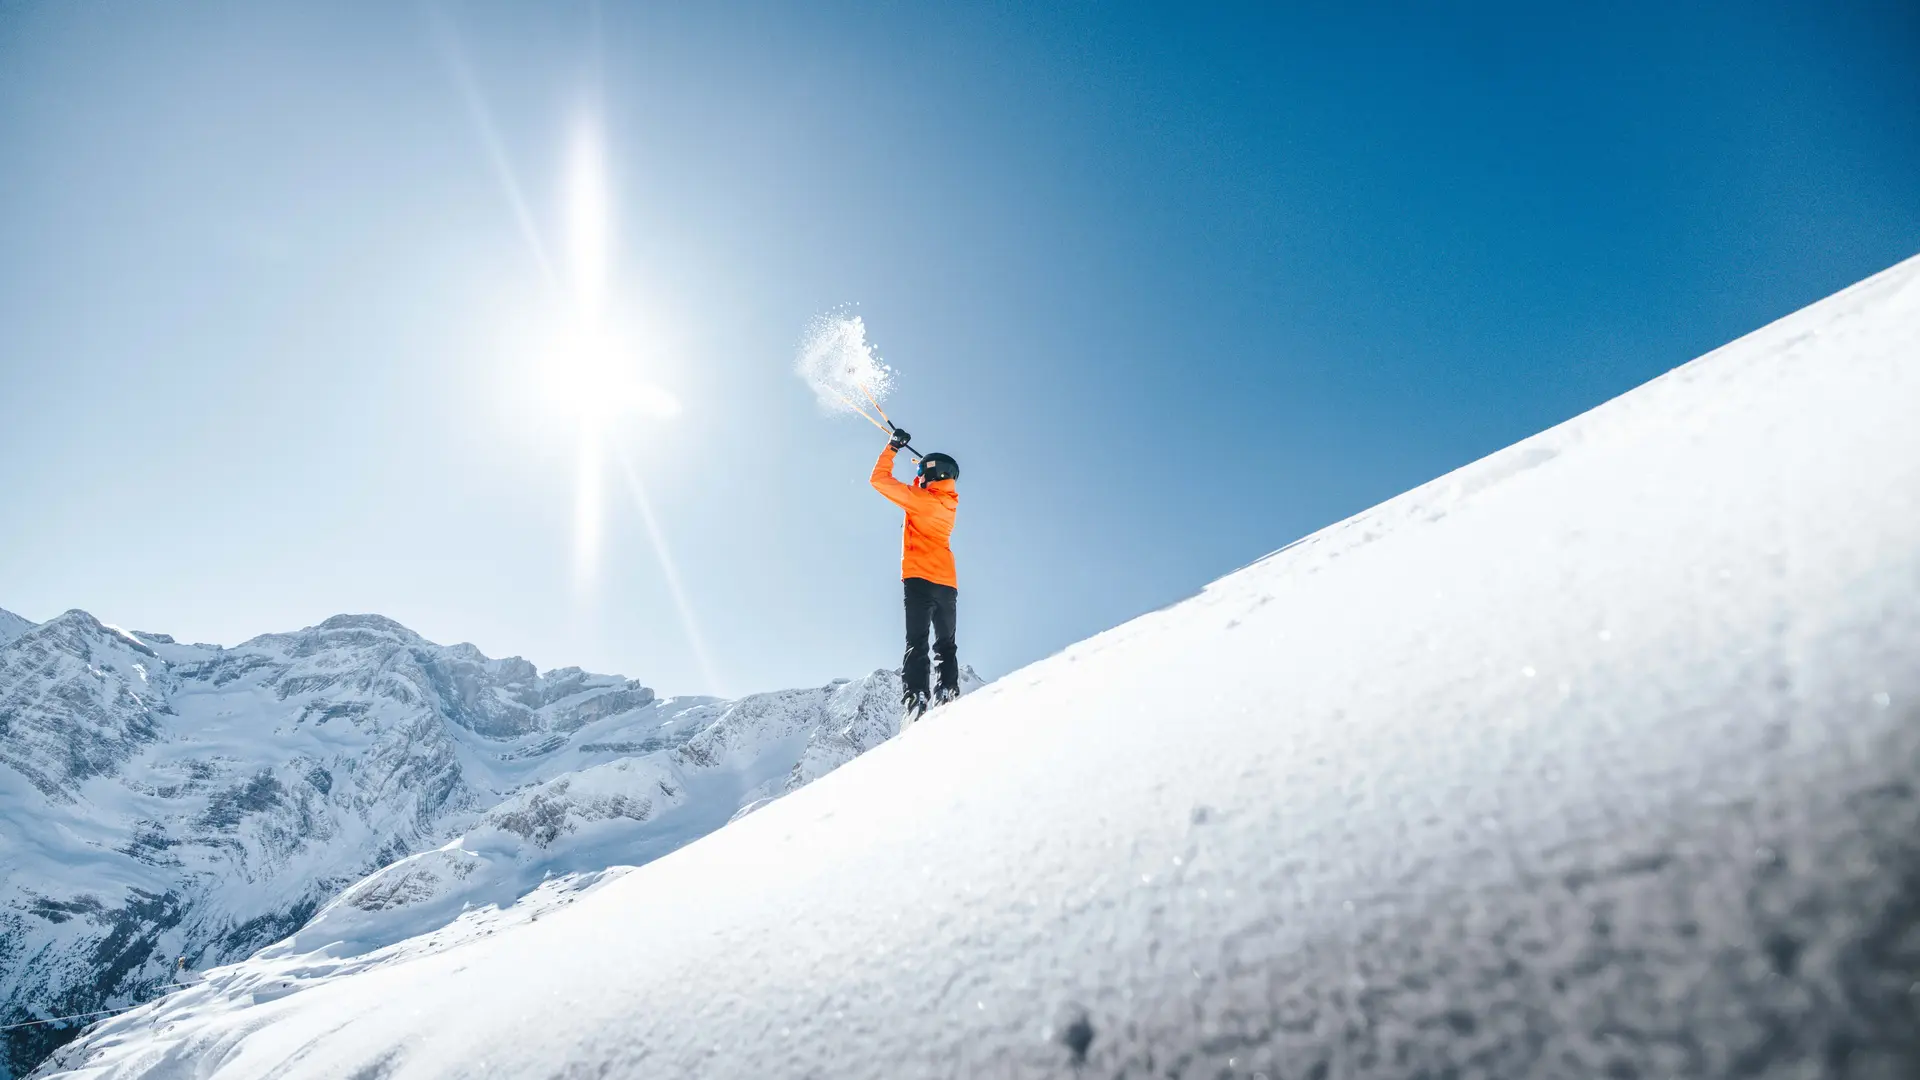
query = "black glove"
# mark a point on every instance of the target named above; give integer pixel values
(900, 438)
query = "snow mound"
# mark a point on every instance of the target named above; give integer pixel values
(1597, 757)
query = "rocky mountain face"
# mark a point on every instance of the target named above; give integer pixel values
(166, 807)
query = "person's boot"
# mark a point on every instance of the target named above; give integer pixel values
(944, 695)
(912, 707)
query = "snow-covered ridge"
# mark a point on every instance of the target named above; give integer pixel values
(160, 800)
(12, 626)
(1596, 758)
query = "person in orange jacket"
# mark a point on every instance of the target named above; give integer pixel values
(926, 570)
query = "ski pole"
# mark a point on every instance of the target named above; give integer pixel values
(883, 415)
(875, 402)
(886, 427)
(862, 412)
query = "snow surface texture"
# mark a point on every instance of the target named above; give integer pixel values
(160, 800)
(1594, 758)
(838, 362)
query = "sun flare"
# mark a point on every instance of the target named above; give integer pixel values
(591, 374)
(593, 377)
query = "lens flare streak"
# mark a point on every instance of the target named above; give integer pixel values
(482, 116)
(671, 572)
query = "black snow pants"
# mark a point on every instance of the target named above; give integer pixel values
(928, 603)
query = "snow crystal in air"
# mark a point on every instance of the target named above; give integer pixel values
(839, 363)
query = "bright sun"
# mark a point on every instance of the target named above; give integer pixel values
(591, 372)
(592, 376)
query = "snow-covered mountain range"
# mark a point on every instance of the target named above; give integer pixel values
(162, 802)
(1599, 757)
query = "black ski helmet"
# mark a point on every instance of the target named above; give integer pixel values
(938, 467)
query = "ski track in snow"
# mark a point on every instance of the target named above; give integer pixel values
(1596, 757)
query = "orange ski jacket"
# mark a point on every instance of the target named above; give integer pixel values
(930, 510)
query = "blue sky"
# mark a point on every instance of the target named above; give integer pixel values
(1176, 287)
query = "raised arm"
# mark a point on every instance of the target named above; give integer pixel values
(904, 495)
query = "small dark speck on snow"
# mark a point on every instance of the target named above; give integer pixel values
(1077, 1036)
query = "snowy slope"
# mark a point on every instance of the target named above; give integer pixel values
(160, 800)
(1597, 757)
(12, 626)
(547, 844)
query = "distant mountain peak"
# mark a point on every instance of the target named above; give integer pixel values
(366, 622)
(12, 626)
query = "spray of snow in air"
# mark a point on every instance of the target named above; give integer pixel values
(839, 363)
